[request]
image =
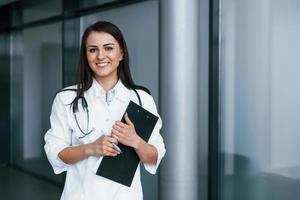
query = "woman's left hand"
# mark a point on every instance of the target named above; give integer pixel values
(126, 134)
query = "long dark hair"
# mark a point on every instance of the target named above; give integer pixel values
(85, 74)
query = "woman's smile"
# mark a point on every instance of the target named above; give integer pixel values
(102, 64)
(103, 55)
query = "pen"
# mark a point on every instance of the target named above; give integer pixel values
(117, 148)
(114, 145)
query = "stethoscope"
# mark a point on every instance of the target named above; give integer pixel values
(86, 109)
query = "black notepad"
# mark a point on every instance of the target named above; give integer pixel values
(122, 167)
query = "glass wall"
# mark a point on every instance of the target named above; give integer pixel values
(260, 109)
(4, 100)
(36, 71)
(33, 10)
(91, 3)
(44, 57)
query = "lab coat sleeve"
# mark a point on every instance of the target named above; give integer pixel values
(156, 140)
(58, 136)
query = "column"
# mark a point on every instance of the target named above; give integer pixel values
(179, 98)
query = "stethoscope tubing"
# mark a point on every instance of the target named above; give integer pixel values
(85, 107)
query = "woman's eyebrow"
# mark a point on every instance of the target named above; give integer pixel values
(91, 46)
(109, 44)
(103, 45)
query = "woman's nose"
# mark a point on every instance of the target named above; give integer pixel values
(101, 54)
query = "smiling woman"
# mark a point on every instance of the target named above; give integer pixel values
(104, 55)
(76, 144)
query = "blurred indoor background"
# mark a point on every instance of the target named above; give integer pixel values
(224, 74)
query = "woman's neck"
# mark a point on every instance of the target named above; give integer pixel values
(107, 84)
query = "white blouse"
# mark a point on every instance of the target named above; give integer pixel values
(81, 180)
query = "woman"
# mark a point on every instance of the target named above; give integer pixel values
(85, 118)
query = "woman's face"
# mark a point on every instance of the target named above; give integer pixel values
(103, 55)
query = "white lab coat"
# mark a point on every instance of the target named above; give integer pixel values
(81, 180)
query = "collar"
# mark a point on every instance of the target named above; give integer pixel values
(121, 92)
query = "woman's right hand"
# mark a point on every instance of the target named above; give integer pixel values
(102, 147)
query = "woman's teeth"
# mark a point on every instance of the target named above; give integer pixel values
(102, 64)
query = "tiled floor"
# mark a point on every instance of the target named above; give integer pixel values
(16, 185)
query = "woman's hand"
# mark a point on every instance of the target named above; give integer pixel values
(126, 134)
(102, 147)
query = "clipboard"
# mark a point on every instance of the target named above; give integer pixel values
(122, 167)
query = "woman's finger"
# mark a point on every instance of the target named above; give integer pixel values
(115, 136)
(109, 151)
(112, 140)
(118, 128)
(128, 121)
(116, 132)
(121, 124)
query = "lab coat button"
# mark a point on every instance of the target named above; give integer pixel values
(107, 120)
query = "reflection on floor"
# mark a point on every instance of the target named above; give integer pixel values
(16, 185)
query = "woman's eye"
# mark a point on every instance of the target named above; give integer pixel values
(92, 50)
(108, 48)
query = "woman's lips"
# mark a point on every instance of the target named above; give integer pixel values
(102, 64)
